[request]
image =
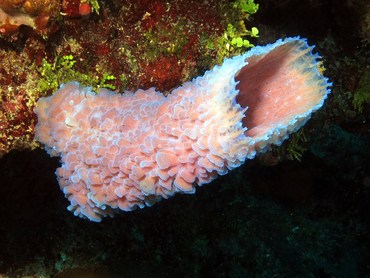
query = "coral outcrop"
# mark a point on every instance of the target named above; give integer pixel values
(33, 13)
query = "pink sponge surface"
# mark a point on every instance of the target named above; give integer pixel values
(123, 151)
